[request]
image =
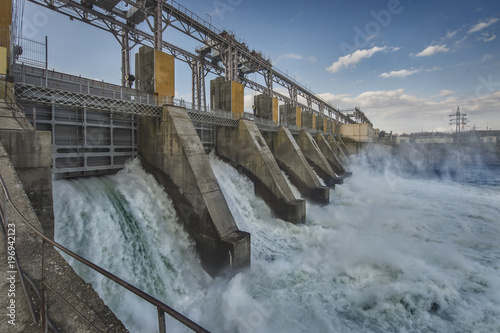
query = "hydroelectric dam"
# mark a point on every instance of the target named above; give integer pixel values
(57, 126)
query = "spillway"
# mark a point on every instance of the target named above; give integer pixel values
(388, 254)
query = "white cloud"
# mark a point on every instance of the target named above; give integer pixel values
(351, 60)
(451, 34)
(293, 56)
(482, 25)
(401, 73)
(431, 50)
(406, 72)
(493, 36)
(446, 92)
(460, 41)
(487, 57)
(486, 37)
(401, 111)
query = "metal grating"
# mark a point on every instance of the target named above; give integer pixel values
(43, 95)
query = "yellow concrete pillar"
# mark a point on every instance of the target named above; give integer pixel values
(5, 14)
(3, 61)
(276, 118)
(325, 125)
(164, 77)
(237, 99)
(314, 121)
(299, 117)
(5, 22)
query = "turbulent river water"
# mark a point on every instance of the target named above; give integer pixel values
(390, 253)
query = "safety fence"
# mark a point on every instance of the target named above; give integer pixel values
(22, 50)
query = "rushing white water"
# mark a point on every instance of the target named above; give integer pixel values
(388, 254)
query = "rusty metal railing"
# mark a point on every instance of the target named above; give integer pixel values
(161, 307)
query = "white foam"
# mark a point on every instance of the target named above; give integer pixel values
(388, 254)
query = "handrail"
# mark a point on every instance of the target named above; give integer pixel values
(161, 307)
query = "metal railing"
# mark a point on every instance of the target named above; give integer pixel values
(52, 79)
(24, 50)
(161, 307)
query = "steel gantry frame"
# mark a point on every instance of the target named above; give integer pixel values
(236, 58)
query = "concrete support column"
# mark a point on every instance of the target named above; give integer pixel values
(320, 123)
(266, 107)
(334, 144)
(246, 148)
(290, 115)
(172, 151)
(314, 155)
(330, 126)
(291, 159)
(155, 74)
(330, 155)
(343, 146)
(309, 120)
(227, 96)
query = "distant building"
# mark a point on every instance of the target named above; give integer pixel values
(434, 139)
(489, 139)
(359, 132)
(401, 139)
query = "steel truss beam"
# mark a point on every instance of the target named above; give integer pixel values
(169, 13)
(42, 95)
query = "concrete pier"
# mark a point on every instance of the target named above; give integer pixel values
(335, 145)
(266, 107)
(330, 155)
(155, 74)
(330, 126)
(320, 123)
(172, 151)
(309, 120)
(314, 155)
(246, 148)
(227, 96)
(291, 159)
(290, 115)
(343, 146)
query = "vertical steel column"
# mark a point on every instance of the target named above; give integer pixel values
(268, 77)
(162, 327)
(202, 74)
(292, 90)
(125, 57)
(230, 60)
(46, 62)
(194, 84)
(198, 86)
(158, 28)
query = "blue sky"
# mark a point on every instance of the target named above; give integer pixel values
(407, 64)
